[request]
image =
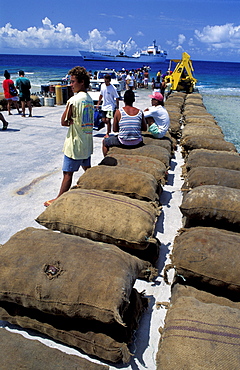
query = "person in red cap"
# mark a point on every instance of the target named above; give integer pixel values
(157, 116)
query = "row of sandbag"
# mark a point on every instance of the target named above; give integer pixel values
(202, 324)
(76, 285)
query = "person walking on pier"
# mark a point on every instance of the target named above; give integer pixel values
(110, 102)
(79, 117)
(23, 85)
(10, 92)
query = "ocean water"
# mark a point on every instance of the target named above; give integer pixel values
(218, 82)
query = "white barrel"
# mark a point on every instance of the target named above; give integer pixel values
(49, 102)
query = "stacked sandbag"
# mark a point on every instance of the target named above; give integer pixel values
(72, 289)
(200, 129)
(201, 332)
(205, 252)
(174, 106)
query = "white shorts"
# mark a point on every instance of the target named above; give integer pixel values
(13, 98)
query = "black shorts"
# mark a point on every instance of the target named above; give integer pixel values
(25, 97)
(114, 141)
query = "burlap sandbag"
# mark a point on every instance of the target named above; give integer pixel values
(102, 216)
(200, 121)
(18, 352)
(199, 336)
(179, 290)
(66, 275)
(140, 163)
(207, 142)
(202, 131)
(209, 257)
(213, 176)
(152, 151)
(121, 180)
(106, 341)
(175, 128)
(164, 142)
(212, 205)
(213, 158)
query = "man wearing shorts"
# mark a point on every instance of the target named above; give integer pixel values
(24, 86)
(79, 117)
(110, 101)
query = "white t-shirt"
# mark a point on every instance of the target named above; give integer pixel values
(161, 118)
(109, 94)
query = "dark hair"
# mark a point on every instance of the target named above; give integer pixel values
(6, 74)
(107, 77)
(81, 74)
(129, 97)
(21, 73)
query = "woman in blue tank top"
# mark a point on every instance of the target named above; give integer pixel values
(128, 122)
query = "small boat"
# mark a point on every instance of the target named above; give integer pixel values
(150, 55)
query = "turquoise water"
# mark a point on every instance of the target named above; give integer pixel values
(218, 82)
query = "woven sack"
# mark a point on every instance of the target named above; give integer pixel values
(202, 131)
(102, 216)
(212, 205)
(152, 151)
(213, 158)
(66, 275)
(206, 142)
(213, 176)
(140, 163)
(200, 121)
(106, 341)
(199, 336)
(120, 180)
(19, 352)
(179, 290)
(209, 257)
(164, 142)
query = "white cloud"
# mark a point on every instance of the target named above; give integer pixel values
(56, 37)
(181, 39)
(139, 33)
(224, 36)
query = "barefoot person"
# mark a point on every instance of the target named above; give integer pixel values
(157, 116)
(79, 117)
(5, 123)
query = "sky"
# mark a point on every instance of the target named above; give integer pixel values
(207, 30)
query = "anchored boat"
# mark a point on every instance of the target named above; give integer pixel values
(152, 54)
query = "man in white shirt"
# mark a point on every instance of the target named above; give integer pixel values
(157, 116)
(110, 102)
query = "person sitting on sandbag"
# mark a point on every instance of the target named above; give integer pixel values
(128, 122)
(157, 116)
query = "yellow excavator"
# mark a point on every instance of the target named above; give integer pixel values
(181, 78)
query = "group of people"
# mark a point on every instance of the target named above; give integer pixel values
(13, 93)
(128, 122)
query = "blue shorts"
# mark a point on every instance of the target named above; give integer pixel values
(72, 165)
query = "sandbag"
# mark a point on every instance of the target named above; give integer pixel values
(212, 205)
(207, 142)
(164, 142)
(180, 290)
(213, 176)
(18, 352)
(152, 151)
(199, 336)
(209, 258)
(140, 163)
(102, 216)
(202, 131)
(66, 275)
(213, 158)
(121, 180)
(106, 341)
